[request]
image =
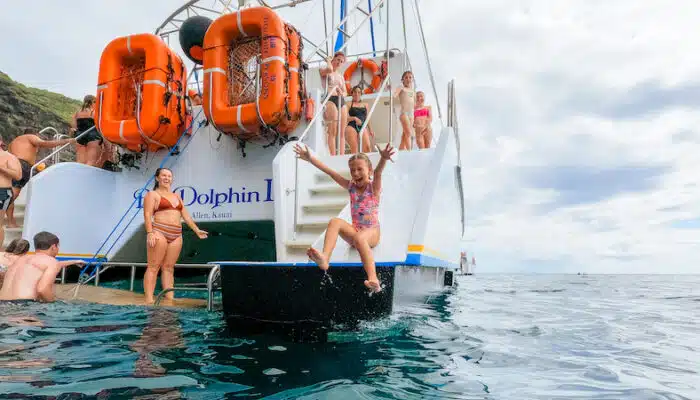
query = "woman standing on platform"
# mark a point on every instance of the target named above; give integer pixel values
(163, 211)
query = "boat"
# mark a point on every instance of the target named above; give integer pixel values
(234, 166)
(465, 268)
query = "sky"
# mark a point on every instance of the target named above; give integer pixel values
(576, 117)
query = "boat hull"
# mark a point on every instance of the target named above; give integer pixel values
(304, 301)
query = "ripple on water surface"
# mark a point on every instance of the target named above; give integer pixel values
(493, 337)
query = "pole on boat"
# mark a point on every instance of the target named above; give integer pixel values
(325, 26)
(387, 54)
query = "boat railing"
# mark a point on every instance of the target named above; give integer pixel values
(311, 123)
(213, 283)
(57, 156)
(350, 58)
(369, 115)
(319, 111)
(55, 152)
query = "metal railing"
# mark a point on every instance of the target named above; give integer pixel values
(308, 128)
(369, 115)
(210, 286)
(55, 152)
(296, 161)
(350, 57)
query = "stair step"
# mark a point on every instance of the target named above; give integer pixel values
(328, 189)
(314, 223)
(330, 206)
(300, 243)
(13, 230)
(324, 178)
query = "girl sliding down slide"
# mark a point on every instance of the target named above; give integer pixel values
(364, 192)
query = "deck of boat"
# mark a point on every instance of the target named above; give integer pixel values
(103, 295)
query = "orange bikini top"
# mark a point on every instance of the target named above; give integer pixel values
(165, 204)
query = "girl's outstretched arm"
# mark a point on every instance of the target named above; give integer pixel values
(386, 155)
(305, 154)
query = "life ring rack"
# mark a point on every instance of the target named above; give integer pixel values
(366, 64)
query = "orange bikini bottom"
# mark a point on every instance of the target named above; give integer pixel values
(170, 232)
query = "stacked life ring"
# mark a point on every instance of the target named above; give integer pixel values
(365, 64)
(246, 116)
(140, 93)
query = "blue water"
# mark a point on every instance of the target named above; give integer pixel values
(493, 337)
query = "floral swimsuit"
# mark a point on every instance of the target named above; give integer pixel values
(364, 207)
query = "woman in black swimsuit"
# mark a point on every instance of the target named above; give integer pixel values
(357, 114)
(89, 146)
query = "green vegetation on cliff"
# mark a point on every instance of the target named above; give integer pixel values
(25, 107)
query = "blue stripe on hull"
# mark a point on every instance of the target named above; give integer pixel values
(413, 259)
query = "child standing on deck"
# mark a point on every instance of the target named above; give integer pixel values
(364, 192)
(406, 97)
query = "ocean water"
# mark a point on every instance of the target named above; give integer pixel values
(492, 337)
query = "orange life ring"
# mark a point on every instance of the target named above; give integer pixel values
(245, 120)
(295, 85)
(366, 64)
(141, 61)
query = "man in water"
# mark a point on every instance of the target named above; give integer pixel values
(26, 147)
(32, 276)
(10, 169)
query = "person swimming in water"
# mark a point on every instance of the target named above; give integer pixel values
(406, 98)
(163, 211)
(14, 250)
(363, 233)
(32, 276)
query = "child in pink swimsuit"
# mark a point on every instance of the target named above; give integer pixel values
(363, 234)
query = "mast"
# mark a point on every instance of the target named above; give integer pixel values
(340, 41)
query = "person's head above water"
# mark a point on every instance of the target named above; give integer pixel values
(46, 242)
(360, 168)
(163, 177)
(18, 247)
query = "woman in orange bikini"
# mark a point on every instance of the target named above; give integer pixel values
(162, 213)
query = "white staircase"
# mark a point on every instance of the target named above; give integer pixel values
(326, 199)
(16, 233)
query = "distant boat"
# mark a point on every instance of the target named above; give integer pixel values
(465, 267)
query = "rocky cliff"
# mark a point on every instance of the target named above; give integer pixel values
(23, 107)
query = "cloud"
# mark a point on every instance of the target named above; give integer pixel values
(585, 185)
(578, 118)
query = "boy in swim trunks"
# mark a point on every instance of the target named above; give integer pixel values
(25, 147)
(10, 169)
(406, 97)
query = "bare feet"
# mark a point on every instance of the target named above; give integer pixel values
(317, 257)
(373, 286)
(149, 301)
(12, 224)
